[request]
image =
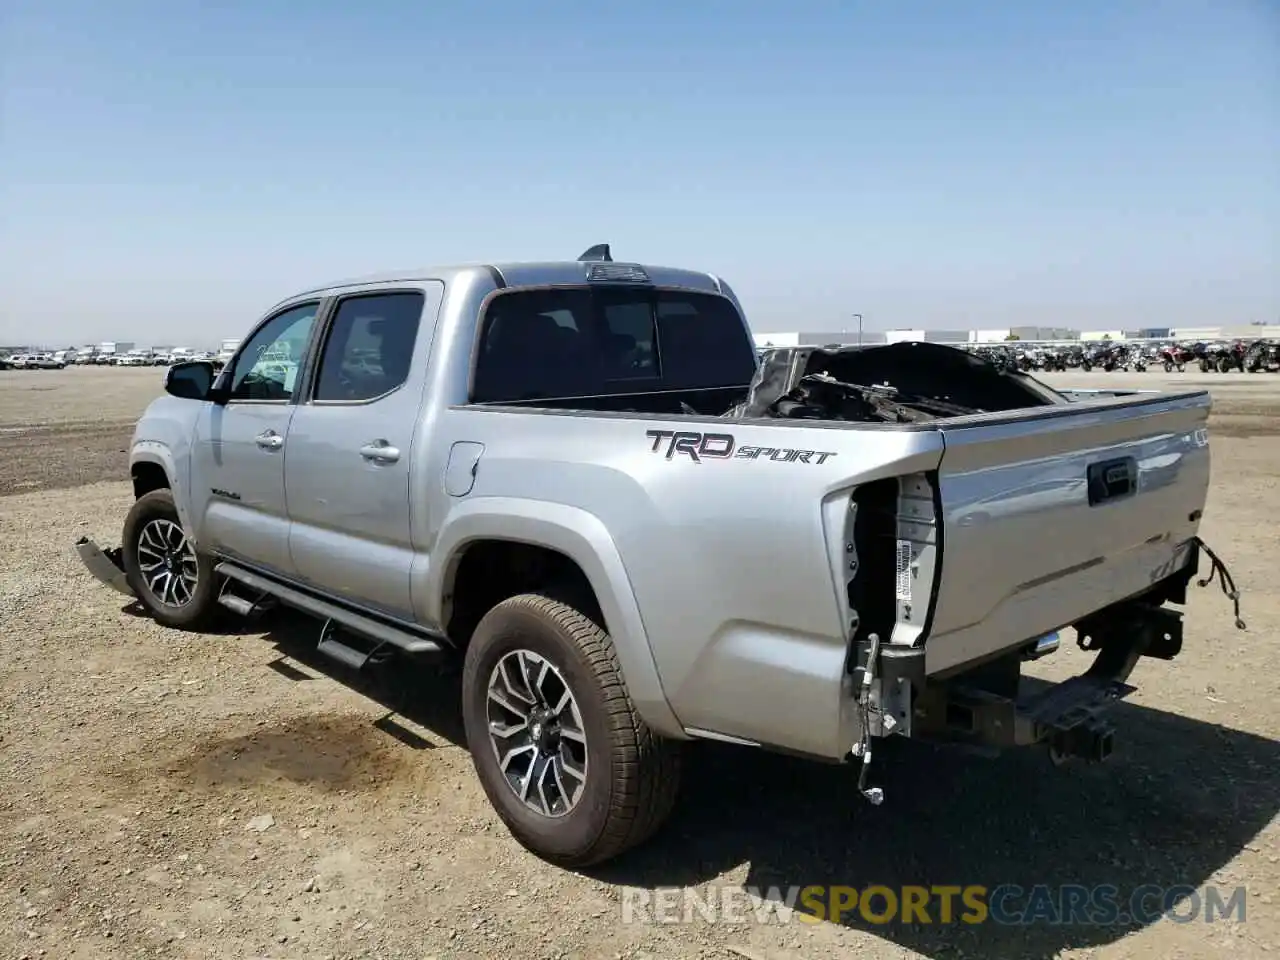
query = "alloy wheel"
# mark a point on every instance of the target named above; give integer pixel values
(536, 730)
(167, 563)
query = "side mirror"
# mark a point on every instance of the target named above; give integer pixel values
(190, 380)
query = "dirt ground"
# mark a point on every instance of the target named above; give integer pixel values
(138, 767)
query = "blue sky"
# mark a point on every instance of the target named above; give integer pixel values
(168, 170)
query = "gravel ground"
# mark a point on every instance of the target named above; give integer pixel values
(223, 796)
(66, 428)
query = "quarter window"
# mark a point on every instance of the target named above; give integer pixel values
(267, 368)
(370, 346)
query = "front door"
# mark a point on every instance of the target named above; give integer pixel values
(350, 450)
(238, 491)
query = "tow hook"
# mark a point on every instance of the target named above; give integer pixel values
(105, 565)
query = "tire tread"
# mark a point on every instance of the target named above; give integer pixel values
(645, 768)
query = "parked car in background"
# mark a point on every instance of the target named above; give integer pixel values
(44, 361)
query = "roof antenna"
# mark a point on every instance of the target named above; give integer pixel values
(600, 253)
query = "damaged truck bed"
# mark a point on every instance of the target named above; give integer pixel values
(1027, 515)
(893, 383)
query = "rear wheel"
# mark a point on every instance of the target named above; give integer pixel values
(167, 574)
(564, 758)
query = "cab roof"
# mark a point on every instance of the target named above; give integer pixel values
(595, 265)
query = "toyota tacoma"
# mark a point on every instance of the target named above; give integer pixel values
(579, 479)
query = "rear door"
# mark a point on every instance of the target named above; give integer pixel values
(238, 458)
(351, 445)
(1053, 514)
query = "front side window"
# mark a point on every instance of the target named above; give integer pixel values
(268, 366)
(369, 347)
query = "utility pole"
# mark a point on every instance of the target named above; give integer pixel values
(859, 316)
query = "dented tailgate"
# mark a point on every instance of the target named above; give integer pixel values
(1052, 514)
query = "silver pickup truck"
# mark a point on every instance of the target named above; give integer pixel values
(581, 480)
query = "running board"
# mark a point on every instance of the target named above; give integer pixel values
(249, 609)
(384, 634)
(238, 604)
(346, 654)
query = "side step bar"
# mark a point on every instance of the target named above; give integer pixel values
(243, 606)
(383, 634)
(238, 604)
(351, 656)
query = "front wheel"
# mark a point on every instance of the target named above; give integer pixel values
(169, 577)
(563, 756)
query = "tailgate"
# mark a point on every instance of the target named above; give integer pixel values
(1052, 514)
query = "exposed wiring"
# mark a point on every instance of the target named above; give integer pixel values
(1226, 581)
(875, 795)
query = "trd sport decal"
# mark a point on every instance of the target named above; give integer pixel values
(721, 446)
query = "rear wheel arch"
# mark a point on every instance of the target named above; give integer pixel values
(586, 572)
(485, 572)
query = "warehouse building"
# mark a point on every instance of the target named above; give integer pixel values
(817, 338)
(1000, 334)
(1004, 334)
(912, 335)
(1241, 331)
(927, 336)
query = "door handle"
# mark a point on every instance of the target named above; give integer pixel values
(269, 440)
(380, 451)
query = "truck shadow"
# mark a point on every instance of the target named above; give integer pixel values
(426, 694)
(1178, 801)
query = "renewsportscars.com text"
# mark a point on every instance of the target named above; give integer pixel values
(1008, 904)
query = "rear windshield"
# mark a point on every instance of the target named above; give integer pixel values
(603, 340)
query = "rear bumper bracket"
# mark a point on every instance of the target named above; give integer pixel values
(105, 565)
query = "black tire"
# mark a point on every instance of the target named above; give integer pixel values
(196, 612)
(632, 775)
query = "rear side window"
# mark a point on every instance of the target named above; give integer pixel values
(592, 341)
(369, 346)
